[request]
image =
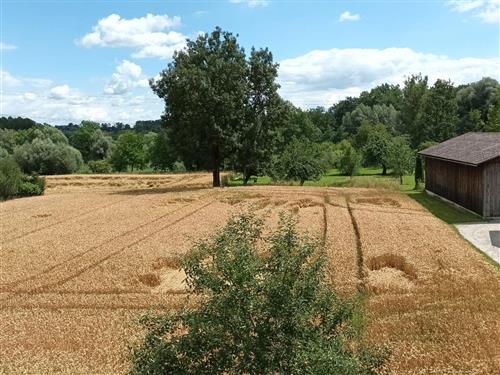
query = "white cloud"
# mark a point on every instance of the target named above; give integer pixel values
(6, 46)
(61, 104)
(151, 35)
(348, 16)
(322, 77)
(127, 77)
(251, 3)
(487, 10)
(59, 92)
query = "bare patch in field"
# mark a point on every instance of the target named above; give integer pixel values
(149, 279)
(394, 261)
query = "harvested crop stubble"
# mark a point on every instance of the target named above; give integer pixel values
(435, 300)
(73, 283)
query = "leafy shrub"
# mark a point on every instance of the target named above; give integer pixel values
(350, 159)
(99, 166)
(42, 156)
(33, 185)
(300, 161)
(11, 178)
(264, 311)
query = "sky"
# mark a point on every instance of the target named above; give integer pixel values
(66, 61)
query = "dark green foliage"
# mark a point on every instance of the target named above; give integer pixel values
(17, 123)
(32, 185)
(265, 312)
(419, 172)
(349, 160)
(258, 137)
(148, 126)
(128, 151)
(205, 89)
(300, 162)
(493, 124)
(41, 132)
(438, 118)
(42, 156)
(90, 141)
(11, 178)
(99, 166)
(161, 154)
(414, 89)
(476, 96)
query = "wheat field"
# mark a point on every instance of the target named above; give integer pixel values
(81, 264)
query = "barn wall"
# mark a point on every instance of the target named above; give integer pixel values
(492, 188)
(458, 183)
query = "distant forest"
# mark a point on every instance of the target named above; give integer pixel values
(413, 115)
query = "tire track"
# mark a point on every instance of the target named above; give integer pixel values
(359, 247)
(99, 208)
(13, 284)
(46, 287)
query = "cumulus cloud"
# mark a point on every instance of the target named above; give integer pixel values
(151, 35)
(59, 92)
(127, 77)
(61, 104)
(251, 3)
(6, 46)
(486, 10)
(348, 16)
(322, 77)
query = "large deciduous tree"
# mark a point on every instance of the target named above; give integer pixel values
(438, 118)
(205, 89)
(256, 139)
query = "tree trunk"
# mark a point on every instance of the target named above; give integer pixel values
(384, 170)
(401, 180)
(246, 177)
(302, 182)
(215, 165)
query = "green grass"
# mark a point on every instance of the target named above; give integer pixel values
(367, 177)
(443, 210)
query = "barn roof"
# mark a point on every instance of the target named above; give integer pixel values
(470, 148)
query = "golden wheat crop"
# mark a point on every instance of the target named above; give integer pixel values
(79, 265)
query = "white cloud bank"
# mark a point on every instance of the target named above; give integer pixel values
(44, 101)
(320, 77)
(348, 16)
(151, 36)
(323, 77)
(486, 10)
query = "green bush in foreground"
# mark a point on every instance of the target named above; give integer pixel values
(264, 311)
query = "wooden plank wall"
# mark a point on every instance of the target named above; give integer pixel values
(458, 183)
(492, 188)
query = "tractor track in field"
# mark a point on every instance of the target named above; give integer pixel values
(359, 247)
(7, 287)
(46, 288)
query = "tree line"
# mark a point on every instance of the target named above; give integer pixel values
(223, 112)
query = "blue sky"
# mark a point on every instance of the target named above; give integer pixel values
(72, 60)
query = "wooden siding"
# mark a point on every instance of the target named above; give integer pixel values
(492, 188)
(456, 182)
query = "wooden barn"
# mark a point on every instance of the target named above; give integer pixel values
(466, 170)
